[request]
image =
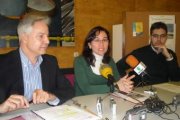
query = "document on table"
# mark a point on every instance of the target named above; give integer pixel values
(66, 112)
(134, 97)
(169, 87)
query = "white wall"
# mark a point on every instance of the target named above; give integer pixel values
(117, 42)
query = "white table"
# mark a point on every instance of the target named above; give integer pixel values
(89, 103)
(122, 106)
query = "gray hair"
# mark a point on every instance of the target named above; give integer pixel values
(25, 25)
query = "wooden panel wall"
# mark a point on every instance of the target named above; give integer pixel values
(89, 13)
(132, 43)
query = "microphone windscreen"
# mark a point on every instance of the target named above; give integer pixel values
(105, 70)
(132, 61)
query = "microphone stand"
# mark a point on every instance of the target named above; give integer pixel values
(143, 82)
(110, 83)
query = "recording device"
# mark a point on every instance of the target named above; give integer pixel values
(99, 106)
(113, 106)
(136, 113)
(106, 71)
(176, 100)
(138, 67)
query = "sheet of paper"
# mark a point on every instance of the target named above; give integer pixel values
(169, 87)
(134, 97)
(65, 112)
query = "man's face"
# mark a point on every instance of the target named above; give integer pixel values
(37, 40)
(158, 37)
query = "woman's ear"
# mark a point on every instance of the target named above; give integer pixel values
(89, 45)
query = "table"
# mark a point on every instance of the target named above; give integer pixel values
(88, 103)
(122, 106)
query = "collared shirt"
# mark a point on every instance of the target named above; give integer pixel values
(31, 75)
(156, 51)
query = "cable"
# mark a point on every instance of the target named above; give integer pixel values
(154, 104)
(159, 107)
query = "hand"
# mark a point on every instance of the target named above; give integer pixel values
(164, 51)
(14, 102)
(125, 84)
(41, 96)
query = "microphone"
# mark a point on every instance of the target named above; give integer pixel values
(106, 71)
(138, 67)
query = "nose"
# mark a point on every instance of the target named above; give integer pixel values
(159, 38)
(46, 39)
(101, 43)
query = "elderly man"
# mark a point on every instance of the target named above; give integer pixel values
(27, 74)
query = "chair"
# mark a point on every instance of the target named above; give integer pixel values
(69, 74)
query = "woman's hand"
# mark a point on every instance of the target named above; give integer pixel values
(125, 84)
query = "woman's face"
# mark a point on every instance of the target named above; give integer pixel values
(100, 44)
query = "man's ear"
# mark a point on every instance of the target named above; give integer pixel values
(23, 37)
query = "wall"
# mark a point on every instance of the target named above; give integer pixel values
(132, 43)
(89, 13)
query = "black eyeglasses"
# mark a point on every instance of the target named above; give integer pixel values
(162, 36)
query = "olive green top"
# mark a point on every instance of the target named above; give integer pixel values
(87, 82)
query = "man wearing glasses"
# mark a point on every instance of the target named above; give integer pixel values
(161, 62)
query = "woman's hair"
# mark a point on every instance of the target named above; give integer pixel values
(87, 52)
(25, 25)
(158, 25)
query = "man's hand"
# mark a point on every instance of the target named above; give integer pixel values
(14, 102)
(125, 84)
(164, 51)
(41, 96)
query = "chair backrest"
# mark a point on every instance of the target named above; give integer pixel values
(70, 77)
(69, 74)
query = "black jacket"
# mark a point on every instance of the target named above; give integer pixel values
(11, 77)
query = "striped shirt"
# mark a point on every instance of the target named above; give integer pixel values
(31, 75)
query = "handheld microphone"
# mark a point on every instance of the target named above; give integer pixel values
(138, 67)
(106, 71)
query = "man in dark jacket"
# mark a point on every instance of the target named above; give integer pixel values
(28, 74)
(161, 62)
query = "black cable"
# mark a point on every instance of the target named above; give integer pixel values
(159, 107)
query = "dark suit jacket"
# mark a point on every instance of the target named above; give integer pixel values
(11, 77)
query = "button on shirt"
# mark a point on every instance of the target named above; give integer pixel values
(31, 75)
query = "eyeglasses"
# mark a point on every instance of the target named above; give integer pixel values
(162, 36)
(99, 41)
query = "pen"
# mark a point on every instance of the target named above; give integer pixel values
(37, 115)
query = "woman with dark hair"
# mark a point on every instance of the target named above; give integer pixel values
(96, 52)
